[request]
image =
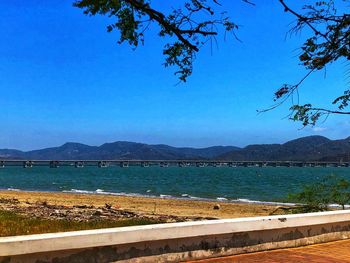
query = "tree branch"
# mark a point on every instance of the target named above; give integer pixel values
(304, 19)
(160, 18)
(326, 111)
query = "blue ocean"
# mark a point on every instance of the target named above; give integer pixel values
(245, 184)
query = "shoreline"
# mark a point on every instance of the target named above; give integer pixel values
(183, 207)
(185, 197)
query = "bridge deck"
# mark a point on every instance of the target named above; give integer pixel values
(166, 163)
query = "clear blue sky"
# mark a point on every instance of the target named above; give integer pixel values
(64, 78)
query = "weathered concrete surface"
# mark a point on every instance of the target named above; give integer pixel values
(178, 241)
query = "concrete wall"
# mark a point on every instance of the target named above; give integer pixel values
(178, 241)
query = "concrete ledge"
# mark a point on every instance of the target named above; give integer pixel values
(180, 241)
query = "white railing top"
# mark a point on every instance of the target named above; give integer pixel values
(17, 245)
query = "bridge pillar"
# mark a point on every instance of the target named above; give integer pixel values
(199, 164)
(27, 164)
(163, 164)
(232, 164)
(102, 164)
(79, 164)
(124, 164)
(181, 164)
(144, 164)
(54, 164)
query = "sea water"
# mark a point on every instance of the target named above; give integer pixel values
(251, 184)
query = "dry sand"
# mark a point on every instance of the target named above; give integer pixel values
(146, 205)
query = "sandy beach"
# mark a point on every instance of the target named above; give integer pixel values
(144, 205)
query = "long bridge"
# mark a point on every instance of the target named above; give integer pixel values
(167, 163)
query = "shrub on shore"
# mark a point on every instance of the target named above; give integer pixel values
(320, 195)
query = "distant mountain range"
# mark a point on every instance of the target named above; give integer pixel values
(117, 150)
(303, 149)
(309, 148)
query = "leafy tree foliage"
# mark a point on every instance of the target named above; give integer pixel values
(188, 30)
(318, 196)
(329, 41)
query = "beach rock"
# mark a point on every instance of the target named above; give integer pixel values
(216, 207)
(97, 213)
(83, 206)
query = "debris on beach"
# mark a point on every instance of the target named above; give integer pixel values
(84, 213)
(9, 201)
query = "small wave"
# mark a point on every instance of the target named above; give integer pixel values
(221, 199)
(13, 189)
(185, 196)
(111, 193)
(79, 191)
(244, 200)
(148, 191)
(102, 192)
(337, 206)
(165, 196)
(198, 198)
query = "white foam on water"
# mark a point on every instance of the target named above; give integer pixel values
(102, 192)
(13, 189)
(244, 200)
(337, 206)
(221, 199)
(78, 191)
(185, 196)
(199, 198)
(165, 196)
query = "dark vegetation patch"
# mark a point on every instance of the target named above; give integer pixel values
(12, 224)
